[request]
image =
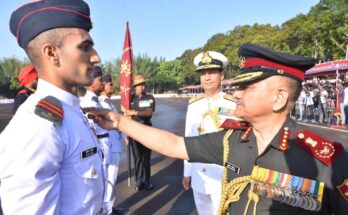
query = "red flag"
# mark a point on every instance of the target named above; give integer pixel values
(126, 71)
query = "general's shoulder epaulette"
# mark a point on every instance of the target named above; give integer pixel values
(196, 98)
(234, 124)
(322, 149)
(229, 97)
(50, 108)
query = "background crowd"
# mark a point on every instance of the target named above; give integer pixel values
(319, 101)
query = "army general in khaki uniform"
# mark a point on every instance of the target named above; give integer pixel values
(272, 164)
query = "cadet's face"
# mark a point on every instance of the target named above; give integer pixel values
(211, 80)
(109, 88)
(254, 100)
(98, 84)
(77, 58)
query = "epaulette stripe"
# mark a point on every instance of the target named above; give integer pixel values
(53, 112)
(50, 107)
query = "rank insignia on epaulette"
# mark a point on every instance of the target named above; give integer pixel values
(51, 109)
(322, 149)
(343, 189)
(234, 124)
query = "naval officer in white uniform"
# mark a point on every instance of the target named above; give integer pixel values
(50, 162)
(205, 113)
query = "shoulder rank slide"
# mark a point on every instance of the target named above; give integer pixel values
(234, 124)
(229, 97)
(196, 98)
(322, 149)
(51, 109)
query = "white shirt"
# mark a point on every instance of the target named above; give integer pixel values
(116, 137)
(42, 170)
(345, 102)
(206, 178)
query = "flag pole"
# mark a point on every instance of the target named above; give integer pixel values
(125, 86)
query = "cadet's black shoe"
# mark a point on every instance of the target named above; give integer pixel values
(148, 186)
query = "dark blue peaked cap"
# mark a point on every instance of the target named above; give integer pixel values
(33, 18)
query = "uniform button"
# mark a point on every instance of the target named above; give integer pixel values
(203, 170)
(94, 171)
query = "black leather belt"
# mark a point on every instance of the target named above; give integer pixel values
(99, 136)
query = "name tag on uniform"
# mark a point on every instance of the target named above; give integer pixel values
(89, 152)
(232, 167)
(144, 103)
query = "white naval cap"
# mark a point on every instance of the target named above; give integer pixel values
(210, 60)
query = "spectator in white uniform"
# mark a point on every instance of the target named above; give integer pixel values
(205, 114)
(115, 145)
(50, 162)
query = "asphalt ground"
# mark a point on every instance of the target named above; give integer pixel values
(168, 197)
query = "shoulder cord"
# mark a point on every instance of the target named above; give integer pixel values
(231, 191)
(215, 119)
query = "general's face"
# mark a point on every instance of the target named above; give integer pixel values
(254, 99)
(109, 88)
(77, 58)
(211, 79)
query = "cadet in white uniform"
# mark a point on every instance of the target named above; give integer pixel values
(91, 99)
(116, 143)
(49, 158)
(205, 114)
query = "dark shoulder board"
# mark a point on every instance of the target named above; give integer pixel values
(196, 98)
(317, 146)
(50, 108)
(229, 97)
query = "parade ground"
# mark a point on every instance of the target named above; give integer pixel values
(168, 196)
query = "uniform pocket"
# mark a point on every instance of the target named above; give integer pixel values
(89, 169)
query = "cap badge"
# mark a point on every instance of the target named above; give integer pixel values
(206, 59)
(242, 61)
(343, 188)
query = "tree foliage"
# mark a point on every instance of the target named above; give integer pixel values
(322, 33)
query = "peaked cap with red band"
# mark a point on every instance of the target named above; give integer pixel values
(33, 18)
(258, 63)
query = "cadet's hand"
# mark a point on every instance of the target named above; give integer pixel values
(186, 182)
(104, 118)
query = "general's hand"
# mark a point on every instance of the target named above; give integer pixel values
(186, 182)
(130, 112)
(104, 118)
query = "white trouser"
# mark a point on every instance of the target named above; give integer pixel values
(343, 120)
(207, 204)
(110, 185)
